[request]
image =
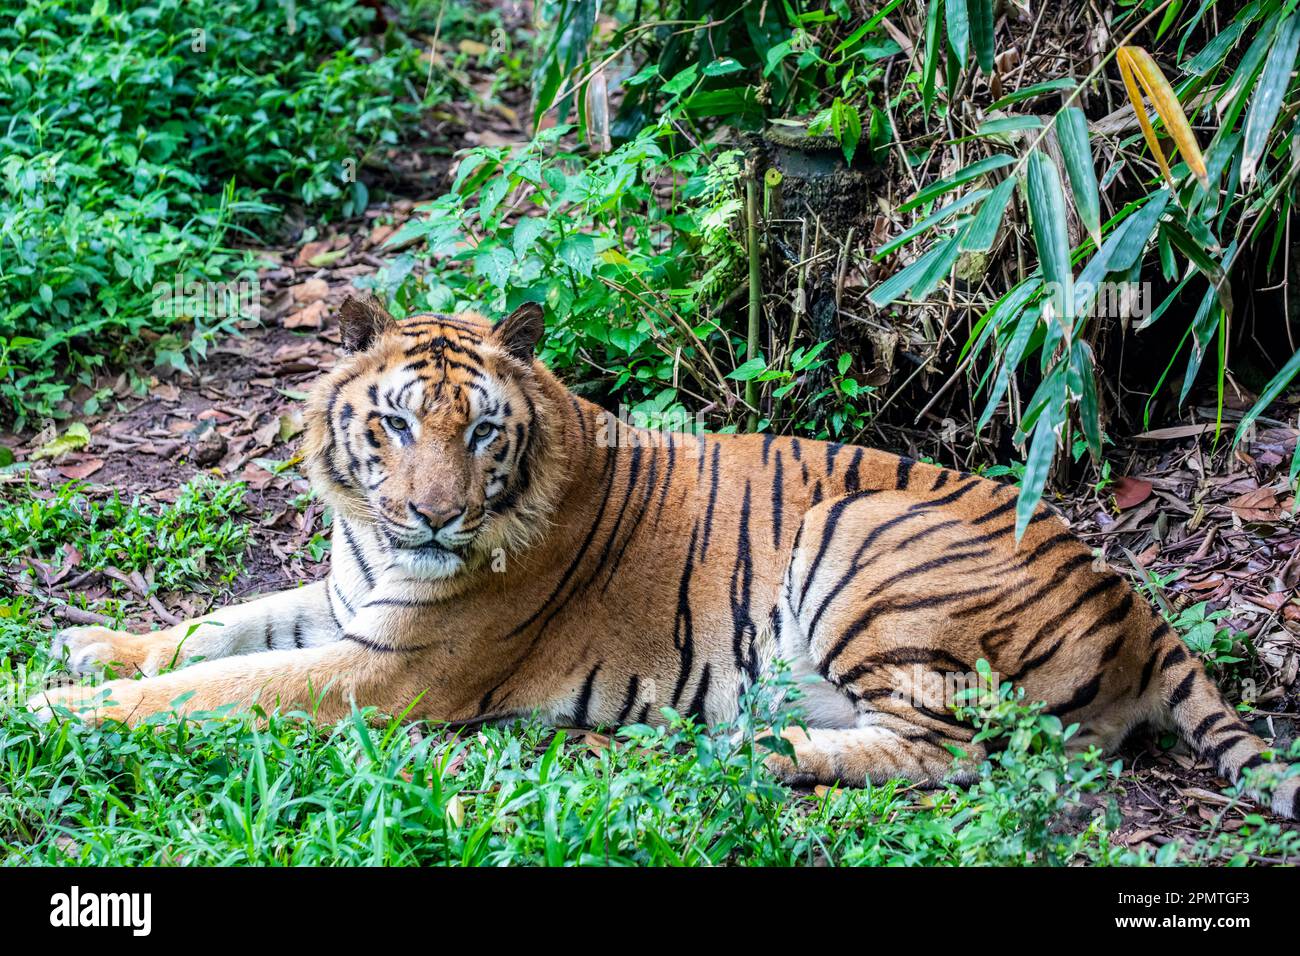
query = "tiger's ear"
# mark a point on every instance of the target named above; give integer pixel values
(361, 321)
(520, 331)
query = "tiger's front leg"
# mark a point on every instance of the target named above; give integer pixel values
(323, 681)
(292, 619)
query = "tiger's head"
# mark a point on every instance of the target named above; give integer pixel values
(433, 431)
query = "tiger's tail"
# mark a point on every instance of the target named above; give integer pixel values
(1210, 726)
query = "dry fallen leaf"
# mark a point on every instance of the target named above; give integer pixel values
(81, 470)
(1131, 492)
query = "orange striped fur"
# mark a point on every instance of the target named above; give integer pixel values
(505, 548)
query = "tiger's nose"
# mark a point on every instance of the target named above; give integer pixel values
(436, 516)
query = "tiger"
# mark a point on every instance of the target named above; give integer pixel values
(503, 549)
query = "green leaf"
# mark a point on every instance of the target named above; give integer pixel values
(681, 81)
(1271, 391)
(936, 217)
(1015, 350)
(1037, 89)
(1137, 231)
(1072, 132)
(958, 28)
(963, 175)
(1084, 379)
(527, 230)
(1047, 219)
(981, 23)
(1038, 464)
(898, 284)
(751, 369)
(1267, 101)
(1008, 124)
(931, 63)
(578, 252)
(983, 229)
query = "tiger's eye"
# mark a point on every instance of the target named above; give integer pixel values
(396, 423)
(483, 429)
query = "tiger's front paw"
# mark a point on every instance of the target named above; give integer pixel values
(117, 700)
(92, 648)
(810, 764)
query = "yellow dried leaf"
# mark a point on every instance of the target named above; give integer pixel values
(1139, 70)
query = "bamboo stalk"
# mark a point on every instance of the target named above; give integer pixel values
(755, 290)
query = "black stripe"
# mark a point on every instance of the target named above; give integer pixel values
(1147, 671)
(778, 499)
(1082, 698)
(633, 688)
(946, 499)
(383, 648)
(1218, 751)
(713, 500)
(297, 632)
(581, 714)
(996, 512)
(904, 470)
(1183, 690)
(700, 700)
(1206, 725)
(270, 643)
(577, 558)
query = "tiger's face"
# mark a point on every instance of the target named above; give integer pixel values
(428, 432)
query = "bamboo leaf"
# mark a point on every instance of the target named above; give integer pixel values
(1267, 101)
(901, 282)
(983, 229)
(1047, 219)
(1137, 231)
(981, 26)
(1009, 124)
(1011, 357)
(1042, 449)
(1037, 89)
(931, 55)
(1072, 132)
(958, 28)
(936, 217)
(963, 175)
(1083, 383)
(1139, 70)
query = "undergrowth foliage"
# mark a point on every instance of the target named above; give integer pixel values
(141, 140)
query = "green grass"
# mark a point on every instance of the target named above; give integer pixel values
(241, 791)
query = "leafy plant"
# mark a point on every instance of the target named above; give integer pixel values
(180, 546)
(139, 139)
(1197, 220)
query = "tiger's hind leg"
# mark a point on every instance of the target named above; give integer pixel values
(870, 723)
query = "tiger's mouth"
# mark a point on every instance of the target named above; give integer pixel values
(428, 560)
